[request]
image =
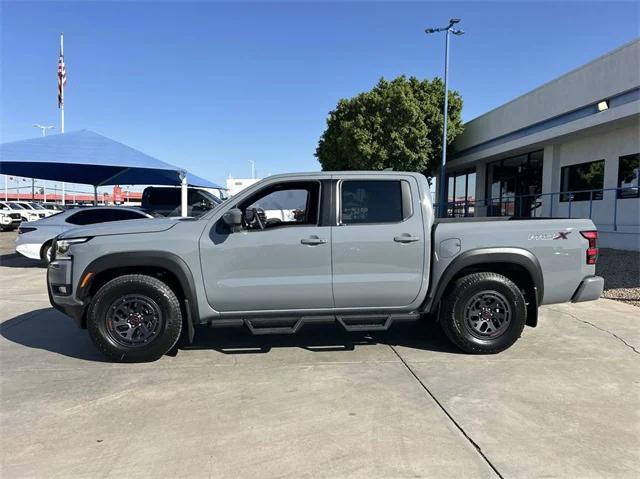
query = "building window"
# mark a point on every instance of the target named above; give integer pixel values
(582, 182)
(628, 173)
(461, 193)
(514, 185)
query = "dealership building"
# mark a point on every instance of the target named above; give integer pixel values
(569, 148)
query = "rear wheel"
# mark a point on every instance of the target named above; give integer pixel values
(135, 318)
(483, 313)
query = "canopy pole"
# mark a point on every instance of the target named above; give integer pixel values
(183, 194)
(62, 79)
(95, 195)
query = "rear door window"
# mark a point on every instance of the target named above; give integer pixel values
(374, 201)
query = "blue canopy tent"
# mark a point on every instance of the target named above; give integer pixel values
(89, 158)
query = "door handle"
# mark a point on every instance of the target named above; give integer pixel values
(406, 238)
(313, 240)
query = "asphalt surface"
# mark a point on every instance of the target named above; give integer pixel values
(562, 402)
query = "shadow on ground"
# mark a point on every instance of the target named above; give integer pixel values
(321, 338)
(49, 330)
(14, 260)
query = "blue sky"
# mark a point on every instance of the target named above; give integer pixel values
(210, 86)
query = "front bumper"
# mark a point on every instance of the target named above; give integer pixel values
(589, 290)
(9, 222)
(60, 274)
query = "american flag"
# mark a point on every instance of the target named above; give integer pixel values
(62, 80)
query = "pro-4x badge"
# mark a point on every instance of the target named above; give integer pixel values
(560, 235)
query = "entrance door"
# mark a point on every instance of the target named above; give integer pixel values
(379, 244)
(281, 260)
(514, 185)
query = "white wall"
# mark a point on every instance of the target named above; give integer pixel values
(616, 72)
(624, 232)
(236, 185)
(620, 228)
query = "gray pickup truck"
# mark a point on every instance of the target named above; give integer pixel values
(362, 249)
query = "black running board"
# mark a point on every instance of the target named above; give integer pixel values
(370, 322)
(350, 322)
(273, 325)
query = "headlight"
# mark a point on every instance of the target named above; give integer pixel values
(63, 245)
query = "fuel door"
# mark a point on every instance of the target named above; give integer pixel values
(450, 247)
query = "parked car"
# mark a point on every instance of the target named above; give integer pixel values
(9, 221)
(10, 218)
(40, 210)
(365, 251)
(35, 238)
(166, 200)
(55, 207)
(13, 207)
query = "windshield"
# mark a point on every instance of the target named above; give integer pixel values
(38, 206)
(16, 206)
(26, 206)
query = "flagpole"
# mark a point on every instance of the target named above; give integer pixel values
(62, 105)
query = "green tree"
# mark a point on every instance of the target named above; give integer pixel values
(398, 125)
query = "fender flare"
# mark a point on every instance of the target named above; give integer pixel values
(476, 257)
(169, 261)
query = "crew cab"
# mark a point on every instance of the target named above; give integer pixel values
(362, 249)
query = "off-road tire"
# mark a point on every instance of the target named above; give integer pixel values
(456, 300)
(145, 286)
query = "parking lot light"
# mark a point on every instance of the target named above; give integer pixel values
(442, 180)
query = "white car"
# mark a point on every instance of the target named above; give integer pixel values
(9, 221)
(37, 208)
(14, 207)
(34, 240)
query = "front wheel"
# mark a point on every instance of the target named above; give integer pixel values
(46, 253)
(135, 318)
(483, 313)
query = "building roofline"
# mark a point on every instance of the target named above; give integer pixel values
(557, 79)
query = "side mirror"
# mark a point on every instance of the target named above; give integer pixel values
(233, 218)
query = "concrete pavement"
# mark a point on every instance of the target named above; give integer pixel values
(563, 402)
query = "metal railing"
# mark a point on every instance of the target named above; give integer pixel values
(550, 205)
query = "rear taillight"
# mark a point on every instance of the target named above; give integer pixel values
(592, 250)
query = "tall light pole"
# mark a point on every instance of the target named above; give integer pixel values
(253, 169)
(44, 128)
(442, 180)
